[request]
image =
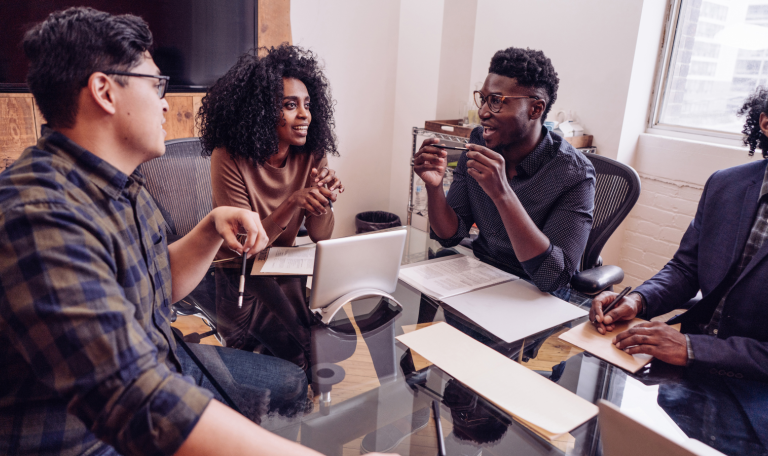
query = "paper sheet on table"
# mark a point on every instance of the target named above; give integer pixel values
(540, 403)
(285, 260)
(452, 276)
(586, 336)
(514, 310)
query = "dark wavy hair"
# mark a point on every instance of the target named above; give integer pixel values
(242, 110)
(531, 69)
(756, 104)
(69, 46)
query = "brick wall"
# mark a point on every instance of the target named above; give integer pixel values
(655, 226)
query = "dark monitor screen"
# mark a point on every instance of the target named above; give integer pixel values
(195, 41)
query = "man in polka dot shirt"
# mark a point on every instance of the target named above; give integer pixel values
(530, 193)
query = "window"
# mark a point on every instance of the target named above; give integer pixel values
(715, 55)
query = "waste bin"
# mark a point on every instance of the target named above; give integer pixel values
(375, 220)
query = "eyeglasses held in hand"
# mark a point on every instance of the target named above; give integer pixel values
(495, 101)
(162, 84)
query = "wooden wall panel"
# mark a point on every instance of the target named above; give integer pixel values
(39, 119)
(274, 25)
(180, 118)
(17, 127)
(197, 101)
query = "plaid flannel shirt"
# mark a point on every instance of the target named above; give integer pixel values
(86, 348)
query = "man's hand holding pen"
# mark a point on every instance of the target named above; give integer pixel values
(653, 338)
(604, 317)
(430, 162)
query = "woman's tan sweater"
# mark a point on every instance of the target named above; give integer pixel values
(262, 189)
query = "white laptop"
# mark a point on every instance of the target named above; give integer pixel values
(622, 435)
(355, 267)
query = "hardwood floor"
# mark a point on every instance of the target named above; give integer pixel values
(552, 353)
(189, 325)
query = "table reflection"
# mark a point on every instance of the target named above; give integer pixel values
(369, 385)
(727, 414)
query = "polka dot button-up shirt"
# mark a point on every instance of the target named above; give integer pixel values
(556, 185)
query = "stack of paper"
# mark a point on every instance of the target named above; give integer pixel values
(285, 261)
(514, 310)
(451, 276)
(539, 403)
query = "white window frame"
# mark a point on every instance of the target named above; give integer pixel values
(657, 96)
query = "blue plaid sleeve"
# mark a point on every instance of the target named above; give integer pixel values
(68, 318)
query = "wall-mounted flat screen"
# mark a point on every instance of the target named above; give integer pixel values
(196, 41)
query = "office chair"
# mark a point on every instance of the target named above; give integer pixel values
(616, 192)
(180, 183)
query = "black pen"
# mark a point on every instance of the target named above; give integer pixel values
(241, 289)
(616, 301)
(439, 428)
(440, 146)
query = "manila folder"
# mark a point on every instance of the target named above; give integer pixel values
(586, 337)
(513, 388)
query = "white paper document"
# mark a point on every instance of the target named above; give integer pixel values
(546, 407)
(514, 310)
(452, 277)
(290, 260)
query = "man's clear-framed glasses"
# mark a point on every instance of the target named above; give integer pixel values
(495, 101)
(161, 88)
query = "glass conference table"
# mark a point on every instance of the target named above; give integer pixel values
(372, 393)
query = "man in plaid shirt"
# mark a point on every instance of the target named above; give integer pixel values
(87, 279)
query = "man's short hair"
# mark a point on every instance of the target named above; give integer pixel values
(531, 69)
(69, 46)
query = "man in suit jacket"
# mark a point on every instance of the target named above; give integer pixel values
(724, 254)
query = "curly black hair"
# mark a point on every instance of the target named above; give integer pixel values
(531, 69)
(242, 109)
(756, 104)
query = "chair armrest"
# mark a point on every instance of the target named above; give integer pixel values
(593, 281)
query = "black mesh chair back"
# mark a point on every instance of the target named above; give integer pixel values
(180, 183)
(616, 192)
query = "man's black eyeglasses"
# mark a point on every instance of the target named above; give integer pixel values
(495, 101)
(161, 88)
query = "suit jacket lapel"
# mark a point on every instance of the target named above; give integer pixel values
(748, 212)
(753, 192)
(759, 256)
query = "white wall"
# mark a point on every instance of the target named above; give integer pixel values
(458, 41)
(418, 64)
(388, 61)
(591, 44)
(395, 64)
(359, 43)
(604, 53)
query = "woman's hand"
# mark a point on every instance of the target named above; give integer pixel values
(314, 200)
(326, 177)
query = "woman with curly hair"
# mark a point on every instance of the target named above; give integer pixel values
(268, 126)
(755, 109)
